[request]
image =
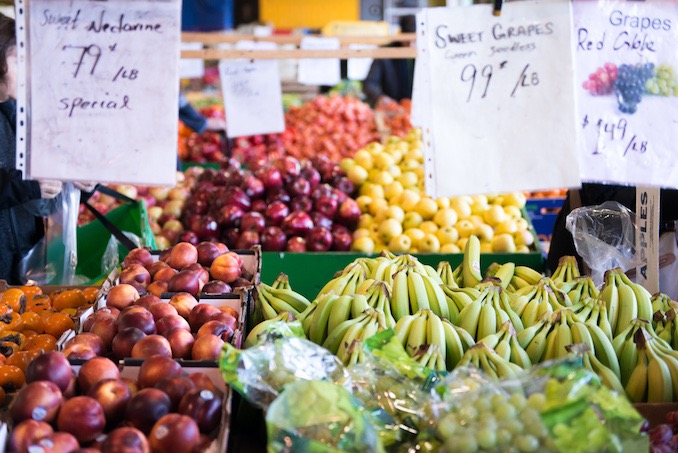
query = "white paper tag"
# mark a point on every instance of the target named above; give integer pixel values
(358, 68)
(626, 85)
(191, 68)
(501, 93)
(319, 71)
(252, 94)
(103, 90)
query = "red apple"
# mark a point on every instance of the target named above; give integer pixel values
(147, 300)
(319, 239)
(175, 388)
(181, 342)
(247, 239)
(207, 347)
(348, 213)
(51, 366)
(298, 223)
(203, 406)
(229, 216)
(58, 442)
(38, 400)
(151, 345)
(252, 221)
(131, 384)
(83, 417)
(236, 196)
(301, 203)
(185, 281)
(113, 395)
(271, 177)
(169, 322)
(142, 320)
(200, 314)
(106, 329)
(253, 186)
(95, 370)
(135, 274)
(184, 303)
(276, 212)
(125, 439)
(155, 368)
(27, 433)
(320, 220)
(146, 407)
(90, 340)
(216, 287)
(296, 244)
(138, 255)
(299, 188)
(326, 205)
(182, 255)
(207, 251)
(258, 205)
(273, 239)
(124, 341)
(173, 433)
(277, 194)
(121, 296)
(311, 175)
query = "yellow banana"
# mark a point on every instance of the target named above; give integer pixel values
(291, 297)
(604, 350)
(454, 349)
(267, 311)
(282, 281)
(333, 340)
(403, 327)
(527, 274)
(470, 270)
(352, 334)
(660, 388)
(318, 331)
(564, 339)
(636, 388)
(580, 334)
(643, 297)
(417, 291)
(470, 317)
(258, 330)
(610, 295)
(435, 333)
(417, 336)
(340, 312)
(487, 323)
(505, 273)
(431, 272)
(628, 307)
(446, 275)
(537, 347)
(607, 377)
(627, 361)
(400, 299)
(336, 285)
(518, 355)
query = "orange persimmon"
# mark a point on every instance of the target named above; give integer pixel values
(15, 298)
(58, 323)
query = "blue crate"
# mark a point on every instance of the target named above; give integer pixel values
(543, 213)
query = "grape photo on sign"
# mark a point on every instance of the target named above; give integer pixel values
(625, 53)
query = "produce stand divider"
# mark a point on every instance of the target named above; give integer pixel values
(222, 38)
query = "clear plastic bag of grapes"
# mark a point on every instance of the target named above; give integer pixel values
(319, 417)
(261, 372)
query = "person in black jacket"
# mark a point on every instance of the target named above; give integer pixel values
(392, 78)
(20, 200)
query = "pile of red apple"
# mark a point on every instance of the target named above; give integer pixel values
(282, 204)
(207, 267)
(164, 410)
(205, 147)
(258, 147)
(143, 326)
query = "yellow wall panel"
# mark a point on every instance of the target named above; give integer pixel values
(307, 13)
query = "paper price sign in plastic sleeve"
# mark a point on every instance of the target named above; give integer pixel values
(100, 83)
(501, 98)
(627, 90)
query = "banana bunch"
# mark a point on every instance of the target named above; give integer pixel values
(413, 291)
(347, 282)
(272, 301)
(328, 311)
(447, 275)
(504, 273)
(458, 299)
(663, 302)
(378, 296)
(567, 270)
(625, 300)
(487, 313)
(666, 327)
(421, 329)
(593, 312)
(523, 276)
(282, 281)
(534, 301)
(431, 356)
(470, 265)
(591, 362)
(649, 366)
(491, 363)
(505, 343)
(578, 288)
(346, 340)
(261, 328)
(387, 269)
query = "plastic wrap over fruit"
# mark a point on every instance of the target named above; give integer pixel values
(261, 372)
(604, 236)
(319, 416)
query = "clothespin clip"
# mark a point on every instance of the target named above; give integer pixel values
(497, 7)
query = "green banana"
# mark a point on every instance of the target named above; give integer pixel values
(470, 269)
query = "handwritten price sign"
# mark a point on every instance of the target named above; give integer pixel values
(626, 90)
(102, 89)
(497, 89)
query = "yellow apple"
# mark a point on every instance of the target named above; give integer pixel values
(365, 220)
(443, 202)
(426, 207)
(522, 249)
(447, 235)
(412, 219)
(361, 232)
(429, 244)
(428, 226)
(513, 212)
(462, 209)
(485, 247)
(388, 229)
(364, 202)
(449, 248)
(357, 175)
(364, 159)
(383, 178)
(446, 217)
(516, 199)
(523, 237)
(503, 243)
(522, 224)
(408, 179)
(484, 232)
(399, 244)
(477, 220)
(494, 215)
(409, 199)
(346, 164)
(395, 212)
(507, 226)
(383, 161)
(363, 244)
(461, 243)
(372, 190)
(415, 234)
(478, 207)
(465, 228)
(378, 206)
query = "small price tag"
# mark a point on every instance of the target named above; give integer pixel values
(191, 68)
(626, 85)
(319, 71)
(502, 115)
(100, 81)
(358, 68)
(252, 94)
